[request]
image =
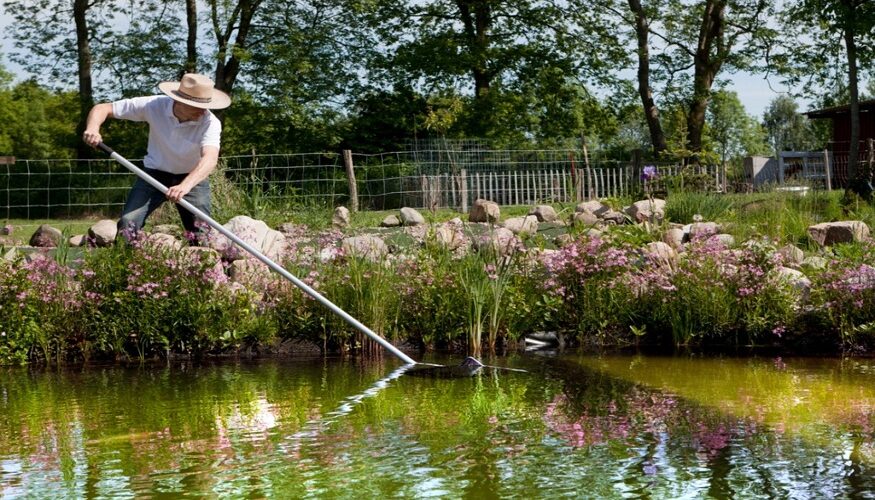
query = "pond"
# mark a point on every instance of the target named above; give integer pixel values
(576, 425)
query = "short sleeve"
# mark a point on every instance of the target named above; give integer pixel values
(213, 134)
(134, 109)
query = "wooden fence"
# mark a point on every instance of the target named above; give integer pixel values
(529, 187)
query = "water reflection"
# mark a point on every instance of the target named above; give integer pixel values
(574, 426)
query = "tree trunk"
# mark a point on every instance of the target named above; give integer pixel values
(651, 112)
(191, 42)
(706, 65)
(477, 25)
(241, 22)
(86, 91)
(854, 149)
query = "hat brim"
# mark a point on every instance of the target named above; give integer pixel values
(219, 99)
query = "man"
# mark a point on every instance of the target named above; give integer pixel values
(183, 146)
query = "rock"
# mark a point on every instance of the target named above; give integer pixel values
(613, 217)
(501, 241)
(6, 230)
(522, 225)
(164, 241)
(366, 246)
(796, 279)
(594, 207)
(674, 237)
(703, 229)
(830, 233)
(103, 233)
(450, 236)
(662, 254)
(248, 272)
(340, 218)
(77, 240)
(410, 217)
(814, 262)
(544, 213)
(256, 233)
(391, 221)
(792, 255)
(484, 211)
(46, 236)
(647, 210)
(584, 219)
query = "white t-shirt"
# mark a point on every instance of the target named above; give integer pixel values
(173, 146)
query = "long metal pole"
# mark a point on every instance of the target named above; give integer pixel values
(260, 256)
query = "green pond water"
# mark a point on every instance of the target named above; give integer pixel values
(575, 425)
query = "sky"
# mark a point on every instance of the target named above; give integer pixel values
(752, 89)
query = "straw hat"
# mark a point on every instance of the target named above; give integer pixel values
(196, 90)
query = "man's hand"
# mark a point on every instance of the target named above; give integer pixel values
(175, 193)
(92, 138)
(98, 114)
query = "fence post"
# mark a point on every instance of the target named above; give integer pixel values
(827, 168)
(463, 190)
(637, 155)
(350, 179)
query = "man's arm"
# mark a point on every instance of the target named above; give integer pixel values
(98, 114)
(206, 165)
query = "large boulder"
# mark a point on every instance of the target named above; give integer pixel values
(410, 217)
(46, 236)
(544, 213)
(391, 221)
(103, 232)
(651, 210)
(675, 237)
(522, 225)
(584, 219)
(450, 236)
(594, 207)
(662, 254)
(830, 233)
(366, 246)
(256, 233)
(484, 211)
(501, 241)
(340, 218)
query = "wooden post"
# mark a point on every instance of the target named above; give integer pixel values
(780, 169)
(637, 156)
(463, 190)
(826, 168)
(350, 179)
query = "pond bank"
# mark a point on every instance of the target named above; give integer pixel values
(450, 285)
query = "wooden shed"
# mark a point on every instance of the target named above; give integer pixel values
(841, 133)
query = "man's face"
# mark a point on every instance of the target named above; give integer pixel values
(185, 113)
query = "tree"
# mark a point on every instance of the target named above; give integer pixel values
(787, 129)
(696, 42)
(487, 50)
(231, 21)
(45, 38)
(837, 28)
(733, 131)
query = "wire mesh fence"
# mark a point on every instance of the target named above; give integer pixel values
(419, 178)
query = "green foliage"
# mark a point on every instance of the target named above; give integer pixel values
(682, 205)
(788, 130)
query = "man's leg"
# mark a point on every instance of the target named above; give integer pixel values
(199, 196)
(142, 200)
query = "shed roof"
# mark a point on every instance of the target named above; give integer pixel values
(834, 111)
